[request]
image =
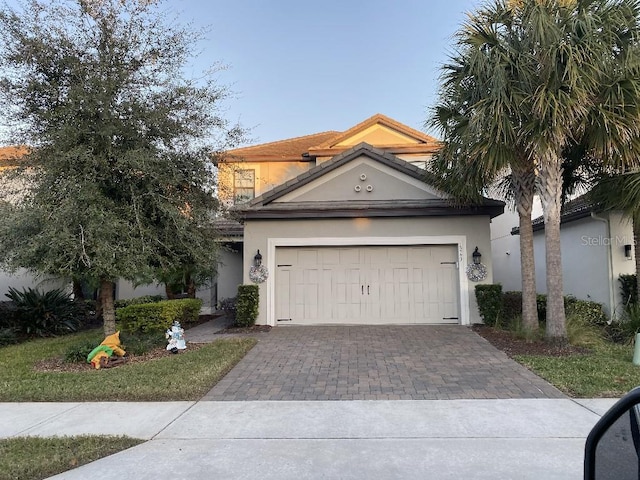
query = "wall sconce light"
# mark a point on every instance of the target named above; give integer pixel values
(477, 256)
(627, 252)
(257, 260)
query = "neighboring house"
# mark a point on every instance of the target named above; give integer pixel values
(596, 250)
(349, 232)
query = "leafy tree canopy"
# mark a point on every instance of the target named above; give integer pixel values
(118, 182)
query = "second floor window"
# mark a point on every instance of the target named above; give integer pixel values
(244, 185)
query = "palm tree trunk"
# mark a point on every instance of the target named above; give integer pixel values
(108, 309)
(636, 253)
(550, 185)
(524, 188)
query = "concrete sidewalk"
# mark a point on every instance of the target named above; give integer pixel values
(492, 439)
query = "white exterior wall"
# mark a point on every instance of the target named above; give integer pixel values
(23, 280)
(592, 259)
(467, 231)
(621, 230)
(505, 248)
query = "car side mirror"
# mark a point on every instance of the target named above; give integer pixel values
(612, 450)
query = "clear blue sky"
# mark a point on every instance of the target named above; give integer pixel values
(300, 67)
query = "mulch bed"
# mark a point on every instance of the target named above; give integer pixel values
(512, 345)
(58, 364)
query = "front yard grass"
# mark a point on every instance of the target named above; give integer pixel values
(32, 458)
(606, 372)
(186, 376)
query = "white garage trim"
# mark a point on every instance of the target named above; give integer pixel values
(459, 240)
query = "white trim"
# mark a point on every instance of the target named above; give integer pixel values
(459, 240)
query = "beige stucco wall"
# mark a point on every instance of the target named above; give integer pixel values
(362, 179)
(268, 175)
(473, 230)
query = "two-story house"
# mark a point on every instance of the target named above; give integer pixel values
(346, 230)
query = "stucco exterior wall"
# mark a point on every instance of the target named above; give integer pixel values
(505, 248)
(592, 259)
(267, 175)
(229, 273)
(362, 179)
(471, 231)
(23, 280)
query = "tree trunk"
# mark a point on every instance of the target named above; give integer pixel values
(636, 253)
(108, 309)
(524, 188)
(550, 185)
(169, 291)
(78, 294)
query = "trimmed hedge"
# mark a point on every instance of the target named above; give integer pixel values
(125, 302)
(247, 303)
(489, 298)
(158, 317)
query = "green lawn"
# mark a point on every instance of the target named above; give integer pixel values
(607, 372)
(186, 376)
(30, 458)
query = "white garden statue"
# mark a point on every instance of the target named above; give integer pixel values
(175, 336)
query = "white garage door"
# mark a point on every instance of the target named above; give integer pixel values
(367, 285)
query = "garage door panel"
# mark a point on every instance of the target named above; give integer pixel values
(377, 284)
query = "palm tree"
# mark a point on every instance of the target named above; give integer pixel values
(456, 169)
(567, 74)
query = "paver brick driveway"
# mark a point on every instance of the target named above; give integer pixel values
(377, 363)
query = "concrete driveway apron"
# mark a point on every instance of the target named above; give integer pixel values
(405, 362)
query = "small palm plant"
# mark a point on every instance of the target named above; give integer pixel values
(45, 314)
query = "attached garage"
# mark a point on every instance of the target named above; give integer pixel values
(363, 239)
(367, 285)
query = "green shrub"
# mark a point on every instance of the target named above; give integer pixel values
(541, 304)
(125, 302)
(158, 317)
(8, 336)
(8, 315)
(247, 305)
(489, 298)
(511, 307)
(228, 305)
(629, 289)
(581, 331)
(141, 343)
(624, 329)
(79, 352)
(46, 313)
(590, 312)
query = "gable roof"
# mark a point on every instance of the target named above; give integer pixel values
(418, 141)
(265, 206)
(330, 143)
(292, 149)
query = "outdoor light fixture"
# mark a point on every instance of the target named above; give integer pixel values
(627, 252)
(257, 260)
(477, 256)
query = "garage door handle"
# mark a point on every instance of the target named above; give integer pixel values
(362, 289)
(367, 289)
